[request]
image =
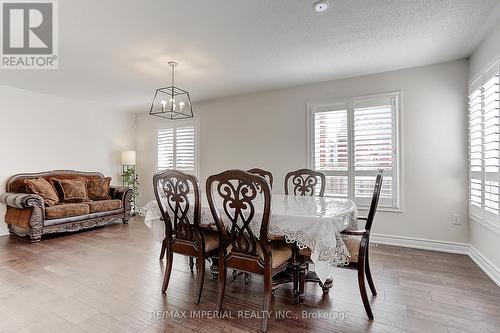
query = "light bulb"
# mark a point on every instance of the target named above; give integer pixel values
(181, 104)
(172, 100)
(163, 105)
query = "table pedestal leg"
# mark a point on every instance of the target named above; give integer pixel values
(214, 267)
(326, 286)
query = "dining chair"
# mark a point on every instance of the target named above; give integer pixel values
(240, 204)
(263, 173)
(269, 177)
(305, 182)
(178, 197)
(357, 243)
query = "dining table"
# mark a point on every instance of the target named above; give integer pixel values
(311, 222)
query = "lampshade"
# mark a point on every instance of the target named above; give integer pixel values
(128, 157)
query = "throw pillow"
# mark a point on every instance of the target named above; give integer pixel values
(43, 188)
(73, 190)
(98, 188)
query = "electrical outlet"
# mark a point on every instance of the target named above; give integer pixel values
(456, 219)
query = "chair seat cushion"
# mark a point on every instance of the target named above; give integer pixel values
(66, 210)
(280, 252)
(211, 240)
(104, 205)
(352, 244)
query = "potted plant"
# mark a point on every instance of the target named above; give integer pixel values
(131, 179)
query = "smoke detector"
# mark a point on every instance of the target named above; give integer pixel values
(320, 6)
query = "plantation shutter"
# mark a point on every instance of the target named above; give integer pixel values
(331, 149)
(484, 145)
(374, 135)
(177, 148)
(351, 141)
(490, 95)
(165, 149)
(184, 149)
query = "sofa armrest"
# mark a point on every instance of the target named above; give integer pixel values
(32, 207)
(124, 194)
(21, 200)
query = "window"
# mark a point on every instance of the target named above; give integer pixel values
(484, 145)
(177, 147)
(350, 140)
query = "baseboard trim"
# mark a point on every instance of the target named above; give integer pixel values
(420, 243)
(487, 266)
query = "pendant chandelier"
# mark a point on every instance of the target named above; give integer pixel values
(171, 102)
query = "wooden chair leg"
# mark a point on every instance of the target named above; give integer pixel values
(168, 270)
(295, 272)
(369, 274)
(302, 279)
(200, 263)
(191, 263)
(362, 290)
(163, 247)
(246, 279)
(221, 282)
(268, 290)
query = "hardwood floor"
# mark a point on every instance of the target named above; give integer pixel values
(109, 280)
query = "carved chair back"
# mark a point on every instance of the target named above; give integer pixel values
(178, 198)
(237, 199)
(375, 199)
(263, 173)
(304, 182)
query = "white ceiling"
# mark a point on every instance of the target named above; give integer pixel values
(117, 50)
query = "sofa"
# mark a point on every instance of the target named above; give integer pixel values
(27, 214)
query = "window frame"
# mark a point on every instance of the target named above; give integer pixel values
(182, 123)
(348, 104)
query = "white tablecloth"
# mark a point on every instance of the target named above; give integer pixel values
(313, 222)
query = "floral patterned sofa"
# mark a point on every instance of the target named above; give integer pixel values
(28, 215)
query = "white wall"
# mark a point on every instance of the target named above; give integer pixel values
(41, 132)
(486, 240)
(268, 130)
